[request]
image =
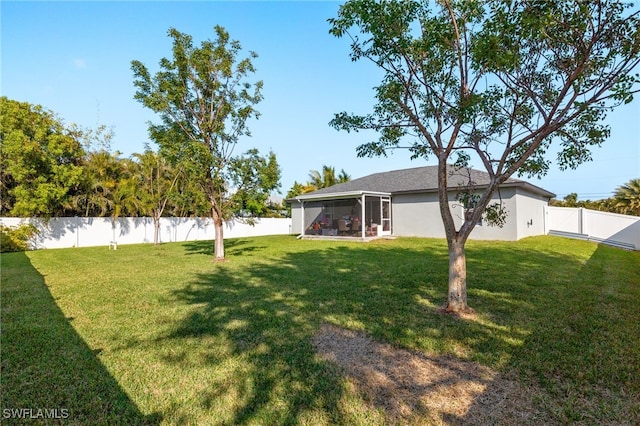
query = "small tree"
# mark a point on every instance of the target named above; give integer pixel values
(498, 80)
(157, 181)
(204, 94)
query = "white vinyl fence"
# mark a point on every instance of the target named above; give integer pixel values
(103, 231)
(609, 228)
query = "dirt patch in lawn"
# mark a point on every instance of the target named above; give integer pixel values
(414, 388)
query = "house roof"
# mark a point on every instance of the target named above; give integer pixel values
(418, 179)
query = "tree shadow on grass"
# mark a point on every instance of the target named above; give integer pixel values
(232, 247)
(46, 365)
(268, 314)
(277, 380)
(579, 348)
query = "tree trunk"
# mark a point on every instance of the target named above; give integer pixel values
(156, 230)
(218, 221)
(457, 299)
(219, 240)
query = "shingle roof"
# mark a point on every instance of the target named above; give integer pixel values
(419, 179)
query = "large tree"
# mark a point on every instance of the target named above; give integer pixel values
(40, 160)
(494, 84)
(205, 94)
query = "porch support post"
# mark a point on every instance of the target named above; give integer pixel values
(363, 223)
(302, 218)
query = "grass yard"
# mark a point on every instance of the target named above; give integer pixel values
(149, 335)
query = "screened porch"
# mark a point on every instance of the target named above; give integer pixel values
(355, 215)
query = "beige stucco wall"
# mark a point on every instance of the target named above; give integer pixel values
(529, 214)
(418, 215)
(296, 218)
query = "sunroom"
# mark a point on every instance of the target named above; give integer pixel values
(354, 214)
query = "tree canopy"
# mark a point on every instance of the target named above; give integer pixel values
(327, 177)
(494, 84)
(51, 169)
(40, 160)
(205, 98)
(253, 178)
(157, 182)
(627, 197)
(318, 180)
(611, 204)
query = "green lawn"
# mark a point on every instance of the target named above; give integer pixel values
(162, 334)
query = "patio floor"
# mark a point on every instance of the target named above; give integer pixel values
(346, 238)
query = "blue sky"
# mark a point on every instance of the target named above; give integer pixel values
(74, 59)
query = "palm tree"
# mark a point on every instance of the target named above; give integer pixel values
(110, 187)
(318, 180)
(628, 197)
(323, 179)
(327, 178)
(100, 176)
(125, 196)
(343, 177)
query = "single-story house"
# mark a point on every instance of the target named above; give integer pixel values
(405, 203)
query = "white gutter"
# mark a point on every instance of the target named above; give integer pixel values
(336, 195)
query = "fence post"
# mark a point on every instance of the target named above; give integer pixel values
(580, 220)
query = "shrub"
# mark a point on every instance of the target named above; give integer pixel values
(16, 238)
